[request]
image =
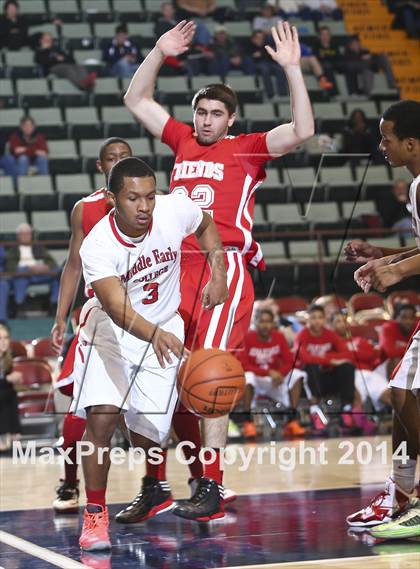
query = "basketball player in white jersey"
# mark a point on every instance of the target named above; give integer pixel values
(395, 513)
(131, 334)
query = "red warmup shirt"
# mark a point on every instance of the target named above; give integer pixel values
(364, 354)
(222, 179)
(95, 207)
(260, 356)
(392, 341)
(38, 142)
(320, 349)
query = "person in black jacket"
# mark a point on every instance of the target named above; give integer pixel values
(357, 136)
(122, 55)
(60, 63)
(13, 30)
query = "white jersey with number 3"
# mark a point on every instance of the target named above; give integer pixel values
(149, 270)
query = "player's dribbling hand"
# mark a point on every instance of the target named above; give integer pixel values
(286, 41)
(165, 342)
(358, 251)
(57, 335)
(215, 292)
(177, 40)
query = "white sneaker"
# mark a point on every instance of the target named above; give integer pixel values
(67, 500)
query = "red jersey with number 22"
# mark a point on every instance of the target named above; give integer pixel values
(221, 178)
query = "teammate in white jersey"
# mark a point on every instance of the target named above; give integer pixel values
(131, 335)
(400, 144)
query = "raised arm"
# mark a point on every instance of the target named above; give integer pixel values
(286, 137)
(70, 278)
(216, 290)
(139, 96)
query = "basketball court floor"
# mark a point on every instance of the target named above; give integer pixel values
(289, 514)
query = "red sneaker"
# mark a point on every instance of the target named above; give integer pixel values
(317, 423)
(347, 420)
(382, 508)
(95, 534)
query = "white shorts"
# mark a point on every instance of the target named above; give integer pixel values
(370, 384)
(263, 385)
(112, 367)
(408, 374)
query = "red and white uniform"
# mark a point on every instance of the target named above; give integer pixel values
(311, 349)
(95, 207)
(113, 367)
(222, 179)
(368, 381)
(407, 374)
(260, 356)
(392, 341)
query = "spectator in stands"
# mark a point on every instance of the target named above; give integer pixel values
(28, 147)
(4, 287)
(167, 19)
(266, 20)
(286, 8)
(328, 53)
(193, 9)
(7, 162)
(317, 10)
(227, 55)
(361, 64)
(54, 60)
(357, 136)
(371, 386)
(35, 260)
(407, 15)
(265, 67)
(13, 30)
(268, 364)
(9, 415)
(394, 210)
(310, 63)
(122, 55)
(324, 356)
(395, 334)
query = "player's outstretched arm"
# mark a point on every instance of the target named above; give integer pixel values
(216, 290)
(286, 137)
(357, 251)
(139, 96)
(116, 303)
(70, 278)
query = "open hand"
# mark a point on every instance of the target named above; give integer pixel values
(177, 40)
(164, 342)
(286, 40)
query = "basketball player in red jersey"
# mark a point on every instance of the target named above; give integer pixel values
(394, 512)
(85, 215)
(221, 174)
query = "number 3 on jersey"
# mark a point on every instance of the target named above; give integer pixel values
(153, 289)
(202, 195)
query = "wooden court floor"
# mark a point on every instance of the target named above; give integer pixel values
(293, 498)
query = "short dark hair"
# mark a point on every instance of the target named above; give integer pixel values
(406, 118)
(324, 28)
(265, 311)
(26, 118)
(129, 167)
(121, 29)
(404, 306)
(112, 140)
(316, 308)
(10, 3)
(217, 92)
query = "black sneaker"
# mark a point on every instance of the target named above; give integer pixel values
(154, 498)
(67, 501)
(205, 505)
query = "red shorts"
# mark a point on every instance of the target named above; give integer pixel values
(226, 325)
(65, 379)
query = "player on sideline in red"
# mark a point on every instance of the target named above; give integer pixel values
(395, 512)
(131, 333)
(85, 215)
(221, 174)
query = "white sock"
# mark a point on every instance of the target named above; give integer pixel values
(313, 409)
(404, 474)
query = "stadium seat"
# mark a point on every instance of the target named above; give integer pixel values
(259, 217)
(76, 31)
(305, 250)
(381, 89)
(35, 372)
(42, 348)
(66, 10)
(9, 222)
(400, 174)
(63, 156)
(88, 57)
(339, 181)
(303, 185)
(365, 301)
(335, 248)
(107, 92)
(173, 90)
(93, 7)
(33, 92)
(47, 117)
(287, 214)
(273, 251)
(36, 192)
(368, 107)
(18, 349)
(183, 113)
(59, 256)
(48, 28)
(83, 122)
(6, 88)
(129, 9)
(204, 80)
(291, 304)
(401, 297)
(392, 242)
(141, 29)
(164, 156)
(32, 7)
(239, 29)
(367, 207)
(161, 180)
(9, 118)
(261, 117)
(327, 212)
(245, 87)
(304, 27)
(53, 224)
(68, 94)
(373, 175)
(119, 122)
(73, 184)
(330, 116)
(9, 200)
(364, 331)
(105, 31)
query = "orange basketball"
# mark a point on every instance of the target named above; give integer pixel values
(211, 382)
